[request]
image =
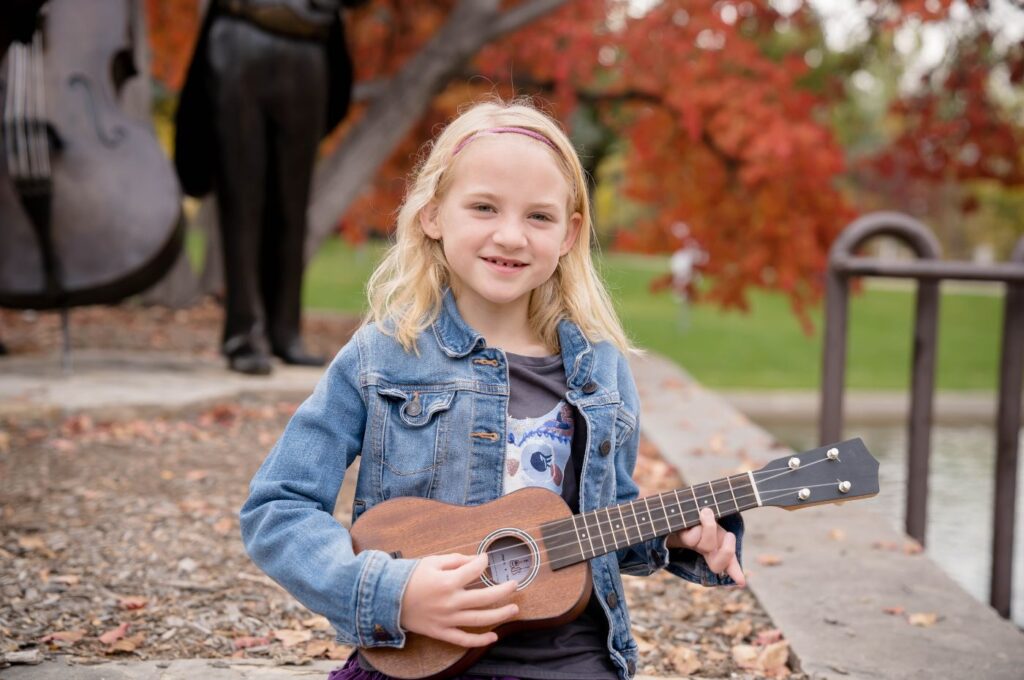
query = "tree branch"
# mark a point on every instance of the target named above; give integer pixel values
(401, 101)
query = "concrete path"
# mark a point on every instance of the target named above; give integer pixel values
(828, 591)
(839, 568)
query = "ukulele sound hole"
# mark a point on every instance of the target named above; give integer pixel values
(511, 557)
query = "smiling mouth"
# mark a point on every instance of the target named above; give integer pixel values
(512, 264)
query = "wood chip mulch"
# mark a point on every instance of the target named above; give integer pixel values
(119, 538)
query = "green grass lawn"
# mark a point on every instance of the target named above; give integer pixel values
(763, 349)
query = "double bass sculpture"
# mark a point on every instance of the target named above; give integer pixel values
(90, 209)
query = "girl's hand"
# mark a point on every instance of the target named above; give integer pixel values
(438, 604)
(717, 545)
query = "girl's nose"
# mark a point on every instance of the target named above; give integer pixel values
(511, 233)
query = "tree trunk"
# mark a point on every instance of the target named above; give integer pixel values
(340, 176)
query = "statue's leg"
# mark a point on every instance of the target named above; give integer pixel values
(297, 116)
(239, 181)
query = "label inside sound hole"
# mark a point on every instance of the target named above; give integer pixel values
(509, 559)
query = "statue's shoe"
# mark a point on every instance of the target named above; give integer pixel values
(250, 363)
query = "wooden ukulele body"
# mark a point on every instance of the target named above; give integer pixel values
(419, 527)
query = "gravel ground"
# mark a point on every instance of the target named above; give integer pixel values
(119, 538)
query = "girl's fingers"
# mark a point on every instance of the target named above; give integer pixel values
(480, 598)
(449, 561)
(723, 553)
(476, 618)
(736, 572)
(457, 636)
(709, 532)
(471, 569)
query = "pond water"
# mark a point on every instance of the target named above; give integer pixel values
(960, 497)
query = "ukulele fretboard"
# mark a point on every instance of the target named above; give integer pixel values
(589, 534)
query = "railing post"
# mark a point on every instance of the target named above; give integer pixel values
(924, 244)
(1011, 370)
(833, 373)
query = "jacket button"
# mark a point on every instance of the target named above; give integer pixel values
(414, 408)
(612, 599)
(590, 387)
(606, 447)
(380, 634)
(631, 667)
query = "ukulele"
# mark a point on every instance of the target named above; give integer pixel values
(532, 537)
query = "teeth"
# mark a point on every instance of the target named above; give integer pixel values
(503, 263)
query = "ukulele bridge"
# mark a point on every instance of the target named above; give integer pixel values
(512, 555)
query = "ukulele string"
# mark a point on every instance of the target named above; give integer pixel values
(480, 584)
(606, 524)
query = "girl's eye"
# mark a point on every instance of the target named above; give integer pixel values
(540, 216)
(483, 207)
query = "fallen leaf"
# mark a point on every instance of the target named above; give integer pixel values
(767, 560)
(66, 579)
(290, 638)
(196, 475)
(249, 641)
(64, 445)
(923, 619)
(894, 611)
(885, 545)
(32, 543)
(338, 652)
(774, 657)
(114, 634)
(912, 548)
(166, 475)
(745, 656)
(315, 648)
(767, 637)
(5, 443)
(224, 526)
(738, 628)
(131, 602)
(317, 622)
(837, 535)
(69, 636)
(127, 644)
(684, 660)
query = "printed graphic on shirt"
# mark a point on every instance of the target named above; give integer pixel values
(538, 448)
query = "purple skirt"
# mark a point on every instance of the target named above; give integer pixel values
(352, 671)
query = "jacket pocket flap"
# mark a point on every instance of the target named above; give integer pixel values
(416, 407)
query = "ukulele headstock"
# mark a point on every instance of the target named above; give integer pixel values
(828, 474)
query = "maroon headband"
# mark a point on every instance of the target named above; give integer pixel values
(498, 130)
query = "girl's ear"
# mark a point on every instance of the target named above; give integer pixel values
(571, 233)
(428, 221)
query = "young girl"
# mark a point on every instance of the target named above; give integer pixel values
(492, 359)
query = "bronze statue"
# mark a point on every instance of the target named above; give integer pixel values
(268, 79)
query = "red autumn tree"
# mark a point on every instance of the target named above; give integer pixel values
(709, 107)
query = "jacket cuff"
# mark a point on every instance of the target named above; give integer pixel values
(379, 592)
(691, 566)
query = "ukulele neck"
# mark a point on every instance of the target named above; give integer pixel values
(591, 534)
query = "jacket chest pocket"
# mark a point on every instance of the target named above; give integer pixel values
(414, 439)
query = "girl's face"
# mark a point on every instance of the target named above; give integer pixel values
(504, 222)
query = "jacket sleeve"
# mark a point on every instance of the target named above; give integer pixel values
(288, 525)
(645, 558)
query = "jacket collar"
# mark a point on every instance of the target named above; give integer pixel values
(453, 334)
(457, 339)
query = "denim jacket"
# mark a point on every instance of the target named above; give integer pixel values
(433, 426)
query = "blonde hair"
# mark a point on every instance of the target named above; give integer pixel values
(406, 290)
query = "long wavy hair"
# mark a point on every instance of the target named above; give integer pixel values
(406, 290)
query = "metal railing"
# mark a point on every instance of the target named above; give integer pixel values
(928, 270)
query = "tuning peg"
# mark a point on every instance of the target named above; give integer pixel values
(803, 494)
(844, 487)
(794, 463)
(833, 453)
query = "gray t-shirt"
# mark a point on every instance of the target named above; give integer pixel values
(545, 447)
